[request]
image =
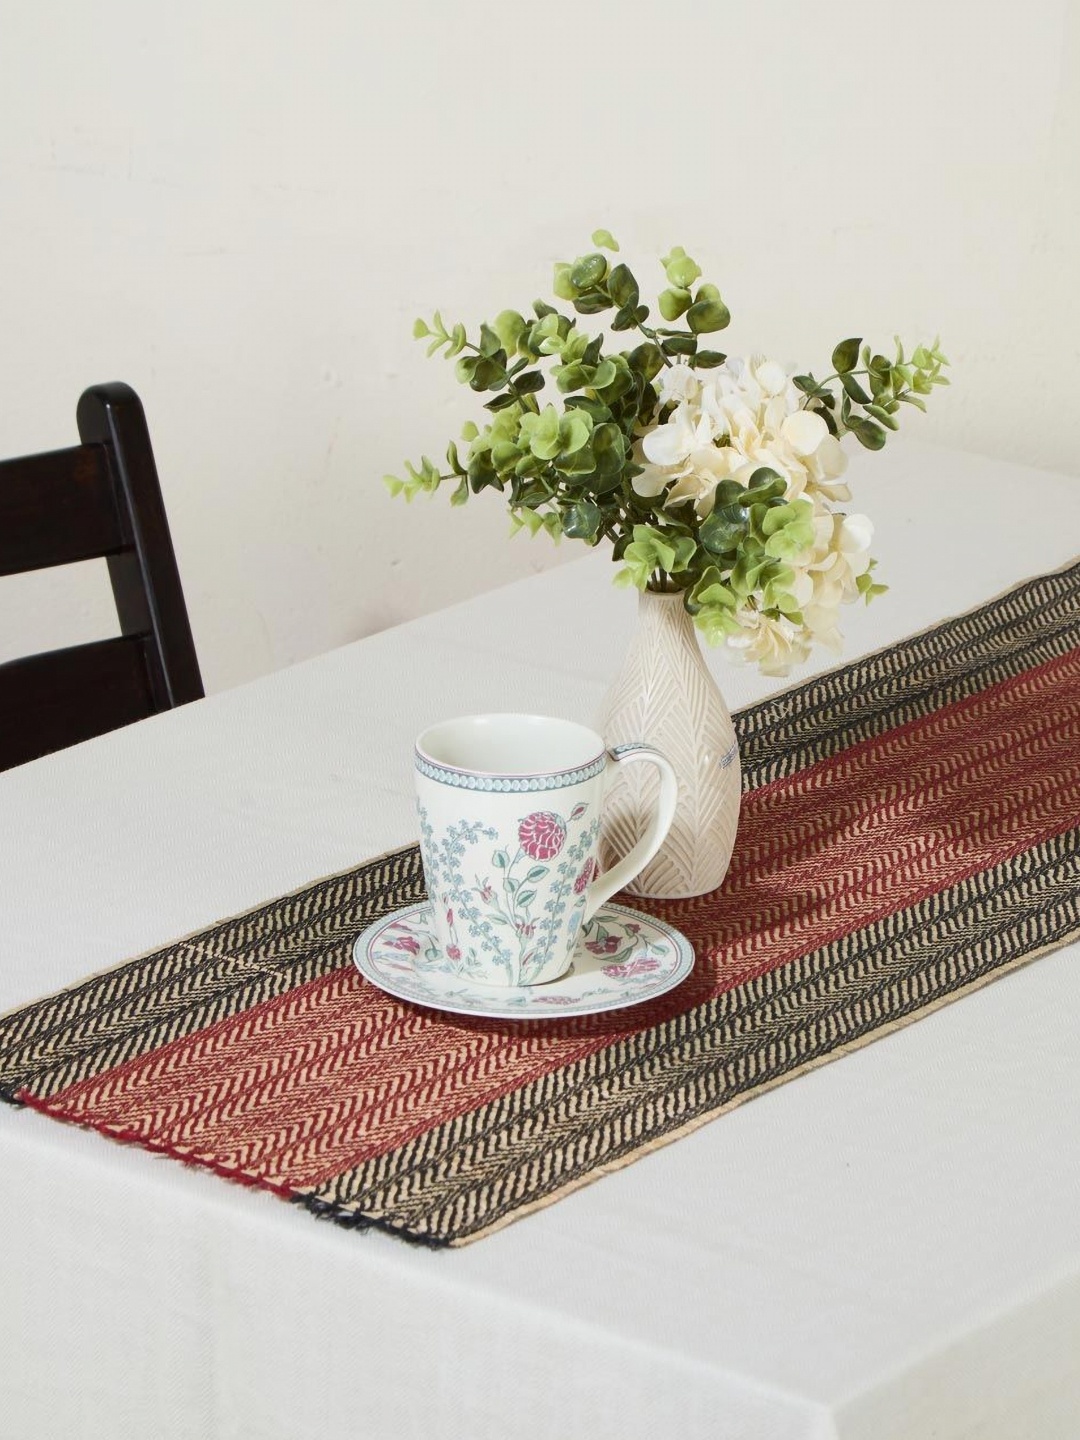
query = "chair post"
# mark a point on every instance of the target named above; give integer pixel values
(145, 580)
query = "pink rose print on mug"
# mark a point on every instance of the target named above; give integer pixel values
(542, 835)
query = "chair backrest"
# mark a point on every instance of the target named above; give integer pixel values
(97, 499)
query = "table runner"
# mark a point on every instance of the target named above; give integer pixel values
(909, 832)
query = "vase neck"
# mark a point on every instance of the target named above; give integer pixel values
(665, 615)
(665, 623)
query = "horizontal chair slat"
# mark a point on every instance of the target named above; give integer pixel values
(57, 508)
(61, 697)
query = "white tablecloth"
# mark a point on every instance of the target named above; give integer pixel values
(885, 1249)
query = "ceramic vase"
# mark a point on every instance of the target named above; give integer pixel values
(666, 695)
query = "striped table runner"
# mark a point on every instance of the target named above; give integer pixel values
(910, 830)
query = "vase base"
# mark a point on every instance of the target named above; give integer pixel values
(692, 893)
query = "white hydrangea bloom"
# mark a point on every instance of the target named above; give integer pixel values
(726, 424)
(774, 645)
(677, 382)
(730, 422)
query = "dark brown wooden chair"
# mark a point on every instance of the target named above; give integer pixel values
(97, 499)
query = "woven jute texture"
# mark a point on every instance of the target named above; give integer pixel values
(910, 830)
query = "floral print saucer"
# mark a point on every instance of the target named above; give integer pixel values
(622, 958)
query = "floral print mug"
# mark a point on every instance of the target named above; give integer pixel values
(509, 811)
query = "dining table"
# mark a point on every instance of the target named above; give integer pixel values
(886, 1247)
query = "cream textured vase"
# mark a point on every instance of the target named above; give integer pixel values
(666, 696)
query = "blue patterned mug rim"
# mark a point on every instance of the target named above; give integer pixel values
(512, 779)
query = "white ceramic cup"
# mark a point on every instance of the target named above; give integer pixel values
(509, 811)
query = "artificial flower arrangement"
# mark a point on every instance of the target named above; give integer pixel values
(714, 476)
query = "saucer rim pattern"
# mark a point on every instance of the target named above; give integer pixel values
(497, 1002)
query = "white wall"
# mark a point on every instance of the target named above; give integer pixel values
(240, 208)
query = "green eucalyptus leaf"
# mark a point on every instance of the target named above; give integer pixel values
(880, 413)
(571, 377)
(709, 577)
(605, 240)
(509, 326)
(603, 483)
(575, 427)
(723, 529)
(854, 389)
(562, 285)
(679, 345)
(799, 513)
(765, 487)
(622, 286)
(591, 350)
(504, 455)
(709, 359)
(490, 344)
(680, 270)
(705, 316)
(646, 359)
(786, 544)
(621, 382)
(541, 433)
(716, 623)
(598, 411)
(715, 593)
(582, 521)
(591, 302)
(577, 467)
(674, 302)
(588, 271)
(481, 473)
(728, 492)
(609, 448)
(489, 372)
(870, 435)
(685, 548)
(846, 355)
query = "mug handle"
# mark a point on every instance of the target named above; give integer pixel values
(630, 865)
